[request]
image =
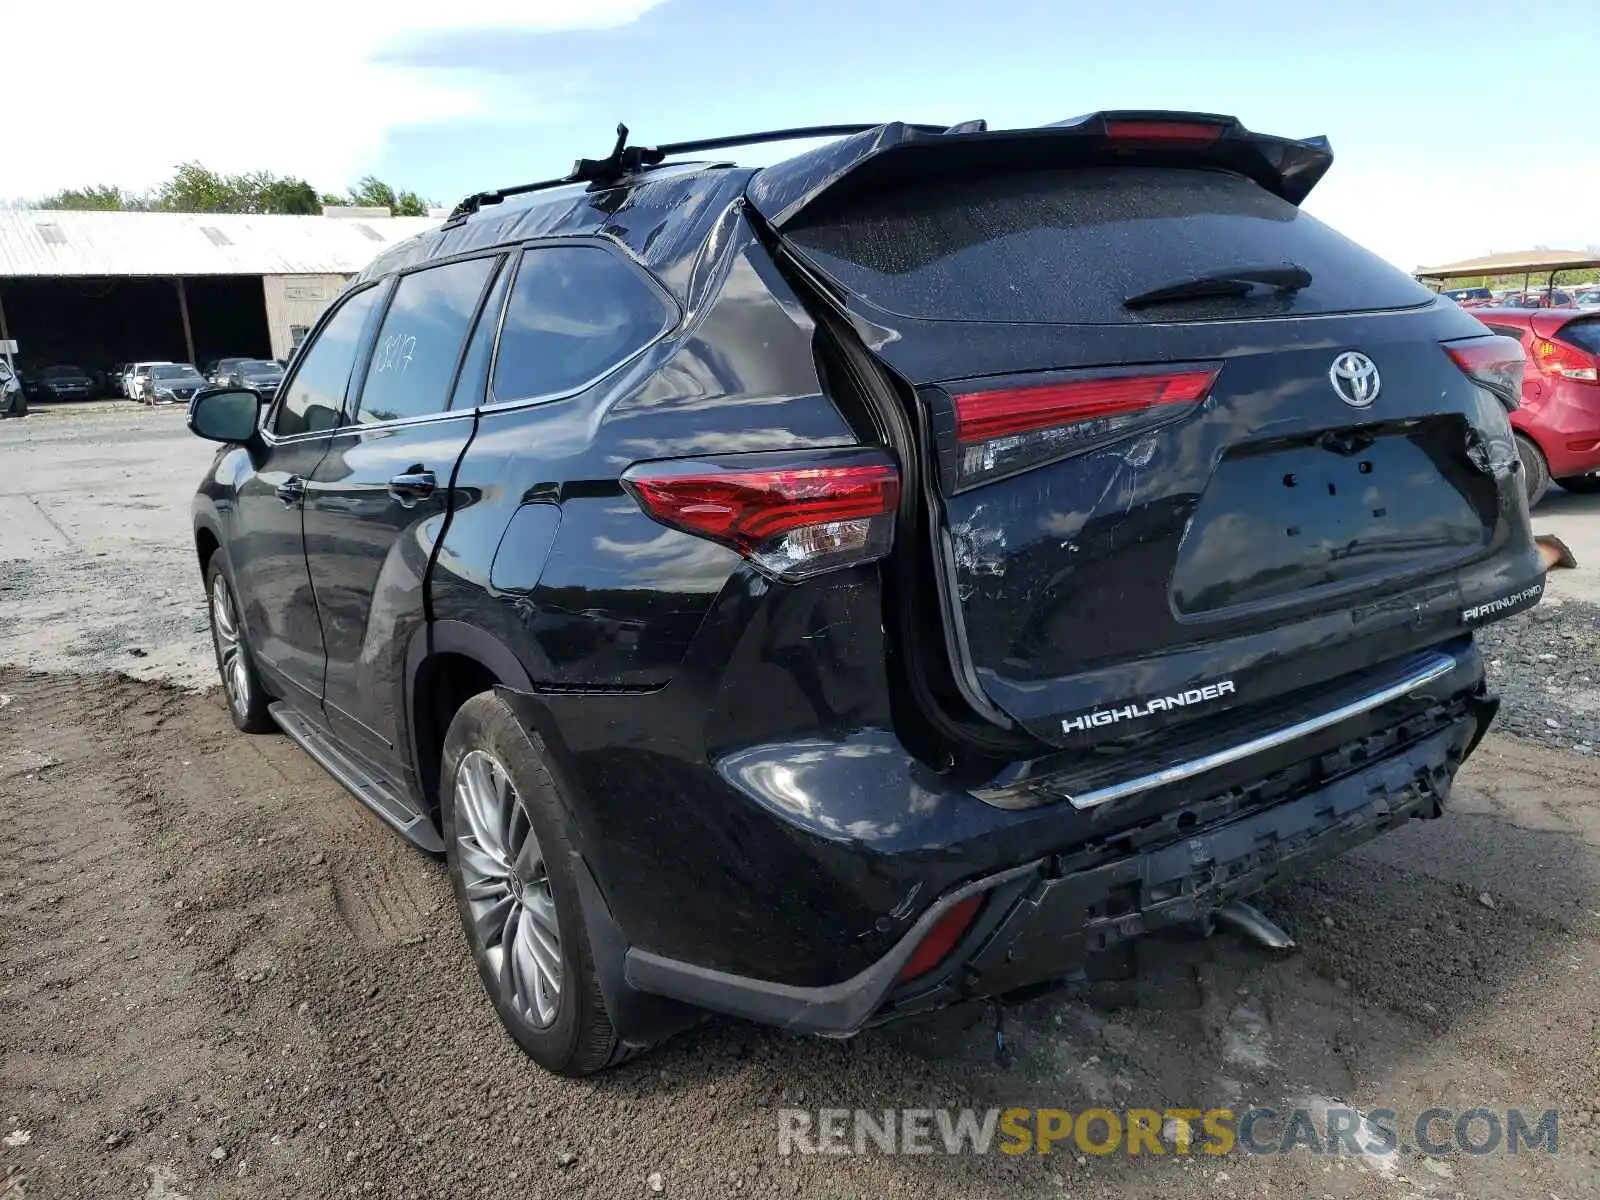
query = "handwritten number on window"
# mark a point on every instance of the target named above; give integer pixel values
(395, 353)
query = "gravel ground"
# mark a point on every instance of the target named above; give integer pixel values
(1544, 666)
(220, 977)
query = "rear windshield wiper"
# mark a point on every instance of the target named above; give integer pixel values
(1235, 281)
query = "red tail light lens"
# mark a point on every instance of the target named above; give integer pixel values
(1494, 363)
(792, 515)
(941, 938)
(1568, 362)
(1189, 133)
(1005, 430)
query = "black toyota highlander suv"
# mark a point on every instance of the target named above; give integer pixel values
(894, 577)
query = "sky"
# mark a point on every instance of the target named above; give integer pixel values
(1459, 127)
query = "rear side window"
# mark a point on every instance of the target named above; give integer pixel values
(575, 313)
(419, 343)
(1070, 246)
(315, 396)
(1585, 335)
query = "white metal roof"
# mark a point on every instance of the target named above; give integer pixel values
(1535, 262)
(47, 242)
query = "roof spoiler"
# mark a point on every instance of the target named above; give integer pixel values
(897, 153)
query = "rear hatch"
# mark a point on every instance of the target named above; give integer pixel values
(1177, 435)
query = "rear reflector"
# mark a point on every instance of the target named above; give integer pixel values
(1494, 363)
(941, 938)
(1568, 362)
(792, 515)
(1009, 429)
(1192, 133)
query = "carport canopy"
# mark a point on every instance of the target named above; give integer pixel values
(1527, 263)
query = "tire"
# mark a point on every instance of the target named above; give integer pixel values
(1535, 471)
(509, 851)
(241, 686)
(1584, 485)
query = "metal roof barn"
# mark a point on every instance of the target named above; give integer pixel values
(101, 288)
(36, 242)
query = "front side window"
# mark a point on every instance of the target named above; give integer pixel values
(315, 396)
(419, 343)
(575, 313)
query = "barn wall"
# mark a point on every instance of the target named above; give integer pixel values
(296, 301)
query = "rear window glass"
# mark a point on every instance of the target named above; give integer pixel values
(1070, 246)
(1583, 334)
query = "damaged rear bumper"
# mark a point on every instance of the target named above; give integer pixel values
(1044, 922)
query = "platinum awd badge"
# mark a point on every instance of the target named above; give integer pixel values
(1489, 610)
(1102, 717)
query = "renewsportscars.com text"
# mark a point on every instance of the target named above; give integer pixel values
(1324, 1130)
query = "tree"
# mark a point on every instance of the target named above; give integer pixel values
(373, 192)
(97, 197)
(196, 188)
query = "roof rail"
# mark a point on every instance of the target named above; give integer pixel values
(625, 160)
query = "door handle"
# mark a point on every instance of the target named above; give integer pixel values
(412, 486)
(292, 490)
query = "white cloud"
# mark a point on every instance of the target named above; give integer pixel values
(121, 93)
(1438, 212)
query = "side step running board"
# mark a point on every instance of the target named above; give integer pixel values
(394, 808)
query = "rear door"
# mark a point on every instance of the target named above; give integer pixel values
(376, 504)
(1177, 432)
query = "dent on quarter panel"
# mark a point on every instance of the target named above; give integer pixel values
(617, 598)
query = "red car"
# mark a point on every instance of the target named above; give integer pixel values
(1558, 425)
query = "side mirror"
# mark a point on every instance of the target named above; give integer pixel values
(225, 414)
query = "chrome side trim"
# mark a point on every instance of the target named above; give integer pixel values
(1436, 666)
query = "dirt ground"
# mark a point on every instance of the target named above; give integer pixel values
(219, 977)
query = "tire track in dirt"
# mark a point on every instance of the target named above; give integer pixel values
(285, 980)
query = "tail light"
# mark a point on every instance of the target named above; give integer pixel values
(1568, 362)
(1163, 133)
(1005, 430)
(941, 938)
(792, 515)
(1494, 363)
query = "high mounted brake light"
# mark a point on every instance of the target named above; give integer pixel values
(1004, 430)
(793, 515)
(1165, 133)
(1493, 363)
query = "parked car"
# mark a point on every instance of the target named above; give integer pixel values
(261, 374)
(1540, 298)
(137, 376)
(1474, 297)
(171, 383)
(775, 593)
(64, 382)
(1588, 299)
(116, 381)
(13, 400)
(1558, 423)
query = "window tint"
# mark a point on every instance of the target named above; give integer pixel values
(474, 377)
(1070, 246)
(575, 313)
(415, 354)
(1583, 334)
(316, 394)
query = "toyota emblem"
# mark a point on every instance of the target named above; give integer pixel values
(1355, 377)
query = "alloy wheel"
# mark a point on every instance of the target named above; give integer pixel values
(507, 888)
(230, 646)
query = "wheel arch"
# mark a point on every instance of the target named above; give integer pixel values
(448, 662)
